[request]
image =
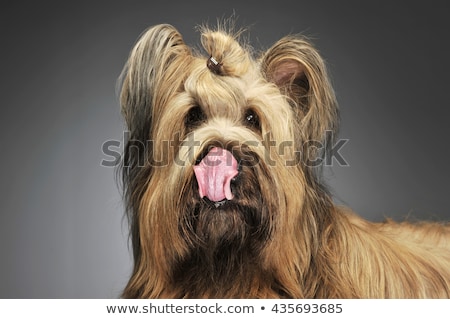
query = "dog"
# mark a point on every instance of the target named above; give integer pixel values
(222, 185)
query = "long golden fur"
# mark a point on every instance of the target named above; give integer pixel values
(281, 235)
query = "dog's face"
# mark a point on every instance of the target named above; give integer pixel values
(216, 160)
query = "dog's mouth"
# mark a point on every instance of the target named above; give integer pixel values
(219, 204)
(214, 174)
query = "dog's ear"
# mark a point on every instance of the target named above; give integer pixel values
(296, 67)
(158, 57)
(153, 71)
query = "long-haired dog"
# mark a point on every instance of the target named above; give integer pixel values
(222, 186)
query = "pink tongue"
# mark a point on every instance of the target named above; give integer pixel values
(214, 174)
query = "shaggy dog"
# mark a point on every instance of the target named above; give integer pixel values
(222, 181)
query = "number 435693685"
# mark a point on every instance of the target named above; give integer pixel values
(307, 308)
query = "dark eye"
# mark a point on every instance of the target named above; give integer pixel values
(194, 117)
(251, 120)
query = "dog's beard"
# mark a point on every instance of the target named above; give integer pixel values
(221, 235)
(238, 223)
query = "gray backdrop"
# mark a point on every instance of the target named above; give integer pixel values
(62, 232)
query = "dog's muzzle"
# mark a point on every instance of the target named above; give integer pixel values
(215, 173)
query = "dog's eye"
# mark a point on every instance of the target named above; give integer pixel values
(252, 120)
(194, 117)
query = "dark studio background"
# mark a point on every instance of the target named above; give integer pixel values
(62, 231)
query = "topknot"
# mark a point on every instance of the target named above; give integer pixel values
(226, 55)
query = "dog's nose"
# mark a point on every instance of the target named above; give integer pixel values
(214, 174)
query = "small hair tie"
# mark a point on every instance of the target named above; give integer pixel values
(213, 65)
